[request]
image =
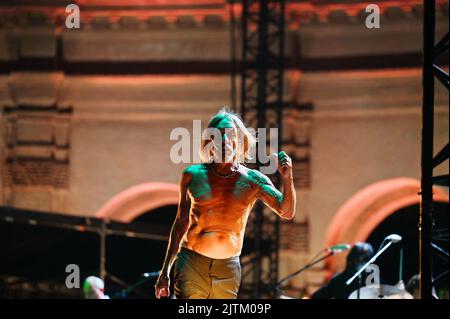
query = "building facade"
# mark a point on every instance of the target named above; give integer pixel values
(88, 112)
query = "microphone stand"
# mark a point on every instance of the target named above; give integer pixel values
(348, 282)
(400, 275)
(309, 265)
(125, 292)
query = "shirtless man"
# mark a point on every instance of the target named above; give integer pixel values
(215, 200)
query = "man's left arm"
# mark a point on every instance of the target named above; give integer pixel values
(282, 203)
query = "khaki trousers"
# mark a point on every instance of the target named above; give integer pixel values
(200, 277)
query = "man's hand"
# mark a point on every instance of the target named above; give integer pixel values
(162, 286)
(284, 165)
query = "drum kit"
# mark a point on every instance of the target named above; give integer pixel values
(373, 292)
(380, 292)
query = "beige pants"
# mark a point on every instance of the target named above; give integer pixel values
(200, 277)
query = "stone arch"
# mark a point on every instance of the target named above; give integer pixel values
(136, 200)
(358, 217)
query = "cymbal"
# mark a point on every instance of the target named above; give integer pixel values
(285, 297)
(380, 292)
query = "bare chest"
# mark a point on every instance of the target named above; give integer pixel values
(206, 189)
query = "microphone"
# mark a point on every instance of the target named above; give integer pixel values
(151, 274)
(339, 248)
(394, 238)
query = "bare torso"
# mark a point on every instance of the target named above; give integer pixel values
(219, 210)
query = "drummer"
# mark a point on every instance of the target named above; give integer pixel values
(337, 288)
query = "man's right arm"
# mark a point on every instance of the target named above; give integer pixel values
(179, 228)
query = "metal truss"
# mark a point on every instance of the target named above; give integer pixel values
(261, 107)
(429, 237)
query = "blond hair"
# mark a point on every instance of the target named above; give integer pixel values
(246, 140)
